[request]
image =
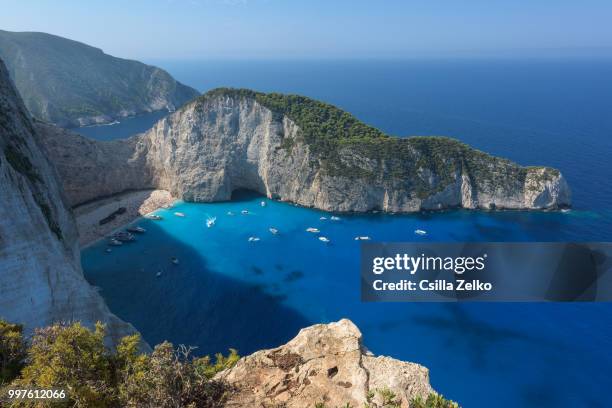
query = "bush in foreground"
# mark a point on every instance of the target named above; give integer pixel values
(74, 358)
(12, 351)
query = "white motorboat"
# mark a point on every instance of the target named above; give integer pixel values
(124, 236)
(313, 230)
(420, 232)
(324, 239)
(362, 238)
(244, 212)
(174, 260)
(263, 203)
(137, 229)
(334, 218)
(253, 239)
(179, 214)
(323, 218)
(273, 230)
(210, 222)
(154, 217)
(114, 242)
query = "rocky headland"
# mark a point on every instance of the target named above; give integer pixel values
(73, 84)
(326, 364)
(296, 149)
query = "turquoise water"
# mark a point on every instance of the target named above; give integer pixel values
(229, 292)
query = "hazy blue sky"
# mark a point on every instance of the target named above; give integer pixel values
(319, 28)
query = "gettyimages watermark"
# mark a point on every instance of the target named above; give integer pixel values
(534, 271)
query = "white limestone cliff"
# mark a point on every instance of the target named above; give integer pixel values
(41, 281)
(225, 141)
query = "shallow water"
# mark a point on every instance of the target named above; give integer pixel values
(229, 292)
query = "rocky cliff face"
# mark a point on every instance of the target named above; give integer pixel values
(325, 363)
(41, 281)
(296, 149)
(89, 169)
(72, 84)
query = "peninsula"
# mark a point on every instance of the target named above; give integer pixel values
(296, 149)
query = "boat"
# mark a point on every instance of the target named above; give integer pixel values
(253, 239)
(263, 203)
(210, 222)
(362, 238)
(114, 242)
(230, 213)
(324, 239)
(420, 232)
(158, 274)
(313, 230)
(154, 217)
(174, 260)
(124, 236)
(244, 212)
(108, 250)
(565, 210)
(334, 218)
(323, 218)
(273, 230)
(179, 214)
(136, 229)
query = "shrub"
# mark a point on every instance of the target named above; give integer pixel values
(12, 351)
(433, 401)
(169, 377)
(74, 358)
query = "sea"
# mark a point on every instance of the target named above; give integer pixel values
(228, 291)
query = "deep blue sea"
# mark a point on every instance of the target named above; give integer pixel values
(228, 292)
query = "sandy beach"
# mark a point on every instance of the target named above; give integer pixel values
(136, 203)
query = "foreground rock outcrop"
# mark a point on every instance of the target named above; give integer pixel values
(325, 363)
(73, 84)
(296, 149)
(41, 281)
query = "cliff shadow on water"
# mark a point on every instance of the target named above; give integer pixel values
(189, 303)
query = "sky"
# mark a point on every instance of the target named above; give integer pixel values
(268, 29)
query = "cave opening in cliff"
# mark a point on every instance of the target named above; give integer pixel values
(244, 194)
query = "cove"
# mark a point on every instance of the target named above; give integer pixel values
(229, 292)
